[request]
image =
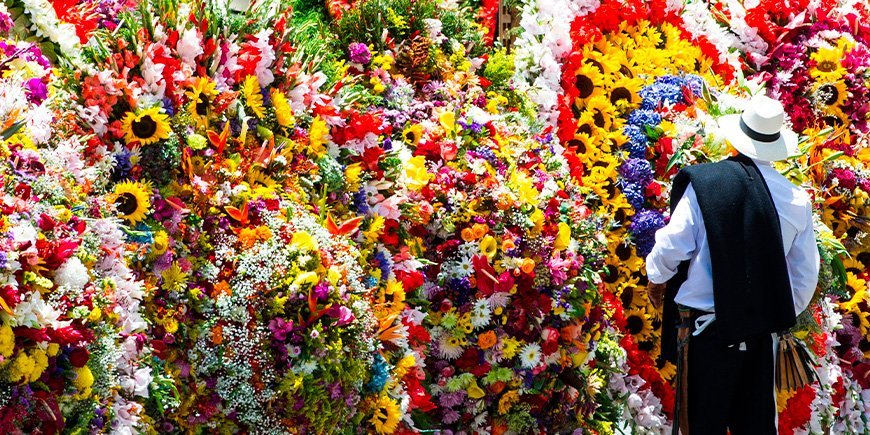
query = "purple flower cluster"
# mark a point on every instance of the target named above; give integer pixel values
(359, 53)
(643, 229)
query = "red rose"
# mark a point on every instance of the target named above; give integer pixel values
(79, 357)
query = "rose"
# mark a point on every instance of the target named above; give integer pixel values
(79, 356)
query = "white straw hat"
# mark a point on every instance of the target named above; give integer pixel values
(758, 133)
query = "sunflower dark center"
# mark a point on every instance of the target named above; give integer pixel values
(620, 93)
(584, 85)
(202, 105)
(626, 71)
(611, 276)
(144, 127)
(126, 203)
(585, 128)
(598, 117)
(832, 121)
(827, 66)
(623, 252)
(830, 94)
(409, 136)
(634, 324)
(596, 64)
(578, 145)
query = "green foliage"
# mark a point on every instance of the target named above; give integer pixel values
(500, 68)
(399, 18)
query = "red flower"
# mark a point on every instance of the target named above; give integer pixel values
(390, 235)
(79, 357)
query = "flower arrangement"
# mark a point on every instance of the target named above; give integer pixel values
(370, 217)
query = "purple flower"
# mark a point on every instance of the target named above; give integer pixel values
(644, 117)
(845, 178)
(643, 229)
(343, 314)
(37, 92)
(637, 171)
(359, 53)
(280, 328)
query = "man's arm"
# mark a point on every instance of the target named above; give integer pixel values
(675, 243)
(803, 265)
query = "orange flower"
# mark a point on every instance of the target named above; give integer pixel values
(480, 230)
(527, 265)
(217, 334)
(221, 288)
(467, 234)
(507, 244)
(247, 237)
(487, 340)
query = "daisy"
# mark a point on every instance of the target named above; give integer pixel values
(530, 355)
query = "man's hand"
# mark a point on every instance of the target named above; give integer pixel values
(656, 294)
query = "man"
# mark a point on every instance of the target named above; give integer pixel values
(740, 261)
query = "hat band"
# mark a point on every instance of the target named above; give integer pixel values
(756, 136)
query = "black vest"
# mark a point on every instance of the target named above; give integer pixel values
(751, 288)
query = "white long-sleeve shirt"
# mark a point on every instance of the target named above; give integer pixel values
(685, 238)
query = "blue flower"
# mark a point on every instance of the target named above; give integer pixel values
(644, 117)
(636, 171)
(634, 194)
(380, 374)
(360, 202)
(643, 230)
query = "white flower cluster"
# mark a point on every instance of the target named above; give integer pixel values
(542, 47)
(45, 23)
(643, 410)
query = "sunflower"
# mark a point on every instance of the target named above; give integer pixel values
(145, 127)
(589, 81)
(200, 96)
(827, 66)
(624, 93)
(283, 111)
(253, 96)
(603, 114)
(386, 416)
(412, 134)
(639, 324)
(668, 370)
(132, 200)
(830, 95)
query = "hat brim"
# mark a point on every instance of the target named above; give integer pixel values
(781, 149)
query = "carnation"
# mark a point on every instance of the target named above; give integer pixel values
(72, 274)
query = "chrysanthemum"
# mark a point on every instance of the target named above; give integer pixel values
(827, 65)
(174, 279)
(131, 200)
(530, 355)
(145, 127)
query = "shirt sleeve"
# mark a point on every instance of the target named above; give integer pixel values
(803, 265)
(677, 241)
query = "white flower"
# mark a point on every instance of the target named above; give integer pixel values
(449, 348)
(189, 47)
(267, 56)
(138, 383)
(530, 355)
(39, 123)
(481, 314)
(35, 313)
(72, 274)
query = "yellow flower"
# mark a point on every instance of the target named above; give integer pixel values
(283, 112)
(174, 279)
(416, 173)
(200, 96)
(306, 278)
(509, 347)
(317, 137)
(827, 65)
(7, 340)
(386, 415)
(253, 97)
(474, 391)
(83, 381)
(525, 188)
(489, 246)
(161, 243)
(145, 127)
(20, 369)
(377, 85)
(376, 226)
(507, 401)
(352, 174)
(412, 134)
(132, 200)
(563, 239)
(303, 241)
(447, 119)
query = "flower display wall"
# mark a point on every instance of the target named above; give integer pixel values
(372, 217)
